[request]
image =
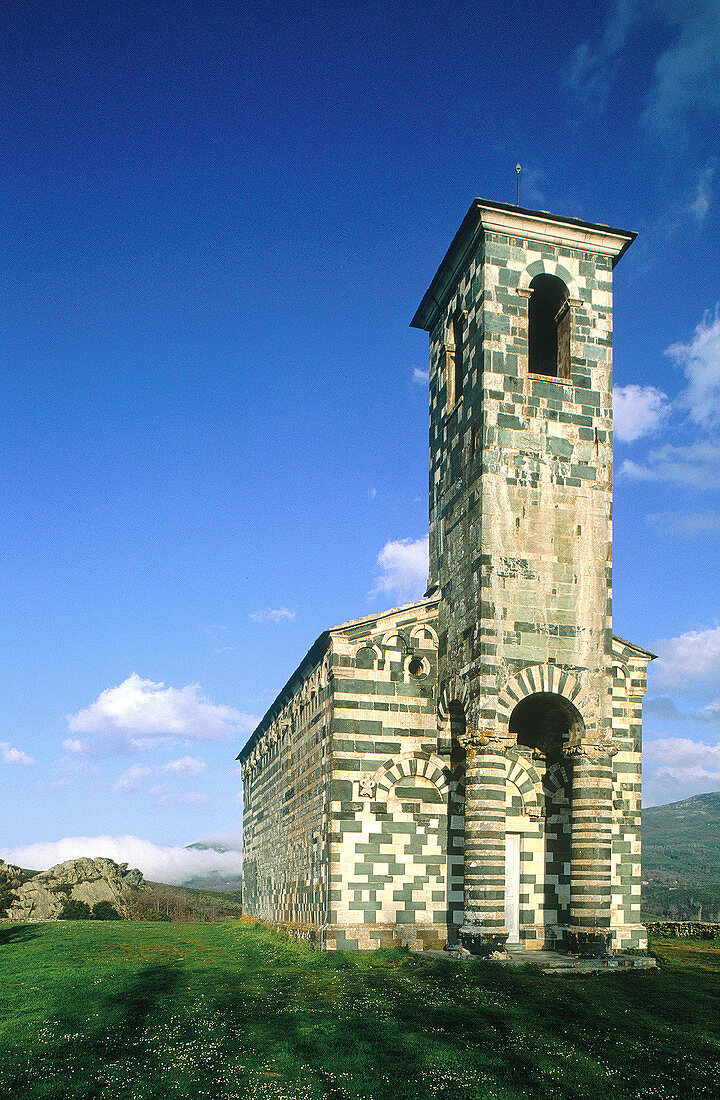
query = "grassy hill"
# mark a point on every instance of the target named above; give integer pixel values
(138, 1011)
(681, 859)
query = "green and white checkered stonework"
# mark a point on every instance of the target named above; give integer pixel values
(345, 793)
(467, 768)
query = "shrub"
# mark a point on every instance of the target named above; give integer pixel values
(75, 910)
(105, 910)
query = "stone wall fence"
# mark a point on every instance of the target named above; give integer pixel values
(669, 929)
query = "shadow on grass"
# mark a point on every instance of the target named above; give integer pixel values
(126, 1013)
(17, 933)
(403, 1029)
(97, 1045)
(385, 1037)
(273, 1019)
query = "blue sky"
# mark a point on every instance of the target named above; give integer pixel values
(217, 223)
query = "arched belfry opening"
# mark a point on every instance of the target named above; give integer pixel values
(549, 327)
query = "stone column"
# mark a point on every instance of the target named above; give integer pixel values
(588, 931)
(483, 930)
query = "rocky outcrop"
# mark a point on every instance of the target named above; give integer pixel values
(12, 876)
(11, 879)
(88, 880)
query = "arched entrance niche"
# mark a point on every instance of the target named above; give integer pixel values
(455, 876)
(541, 725)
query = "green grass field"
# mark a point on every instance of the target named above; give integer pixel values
(146, 1010)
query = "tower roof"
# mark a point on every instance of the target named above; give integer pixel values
(518, 221)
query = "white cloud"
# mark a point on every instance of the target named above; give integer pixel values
(693, 207)
(272, 615)
(188, 798)
(185, 766)
(531, 191)
(661, 706)
(685, 82)
(157, 862)
(710, 713)
(139, 715)
(675, 765)
(133, 779)
(14, 756)
(692, 659)
(590, 68)
(75, 745)
(695, 465)
(700, 203)
(638, 411)
(422, 377)
(686, 77)
(700, 360)
(404, 565)
(689, 524)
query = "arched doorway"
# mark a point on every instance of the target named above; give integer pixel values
(542, 725)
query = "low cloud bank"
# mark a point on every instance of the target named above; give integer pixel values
(160, 863)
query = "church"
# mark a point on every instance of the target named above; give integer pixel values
(464, 771)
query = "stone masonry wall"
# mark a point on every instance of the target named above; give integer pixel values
(384, 782)
(390, 788)
(629, 685)
(521, 550)
(286, 776)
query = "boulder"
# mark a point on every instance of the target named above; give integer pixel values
(85, 879)
(11, 878)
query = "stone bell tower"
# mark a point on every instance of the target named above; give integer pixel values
(520, 322)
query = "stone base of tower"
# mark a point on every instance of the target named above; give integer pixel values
(589, 943)
(483, 942)
(630, 937)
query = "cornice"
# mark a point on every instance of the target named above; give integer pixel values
(538, 225)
